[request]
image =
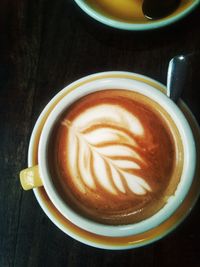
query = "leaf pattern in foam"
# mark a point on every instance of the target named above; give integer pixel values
(104, 150)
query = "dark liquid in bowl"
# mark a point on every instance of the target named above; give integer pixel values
(131, 10)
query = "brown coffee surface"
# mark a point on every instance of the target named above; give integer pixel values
(115, 156)
(127, 10)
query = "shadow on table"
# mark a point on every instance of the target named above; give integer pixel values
(134, 40)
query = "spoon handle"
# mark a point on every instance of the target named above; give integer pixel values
(177, 70)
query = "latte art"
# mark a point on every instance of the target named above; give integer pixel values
(114, 158)
(104, 154)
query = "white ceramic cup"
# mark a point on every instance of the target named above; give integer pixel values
(188, 166)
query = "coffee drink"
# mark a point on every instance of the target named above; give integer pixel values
(125, 10)
(115, 156)
(136, 11)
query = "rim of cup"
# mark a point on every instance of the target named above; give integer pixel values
(188, 167)
(135, 26)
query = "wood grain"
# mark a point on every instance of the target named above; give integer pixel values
(44, 45)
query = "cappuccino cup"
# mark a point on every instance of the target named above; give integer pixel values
(116, 157)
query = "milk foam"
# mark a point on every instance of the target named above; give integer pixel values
(102, 151)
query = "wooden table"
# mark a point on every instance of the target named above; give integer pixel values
(45, 45)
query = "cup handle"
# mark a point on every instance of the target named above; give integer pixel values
(30, 178)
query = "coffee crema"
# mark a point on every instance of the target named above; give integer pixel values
(115, 156)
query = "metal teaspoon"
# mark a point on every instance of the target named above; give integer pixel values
(156, 9)
(177, 70)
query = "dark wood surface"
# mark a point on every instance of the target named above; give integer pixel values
(45, 45)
